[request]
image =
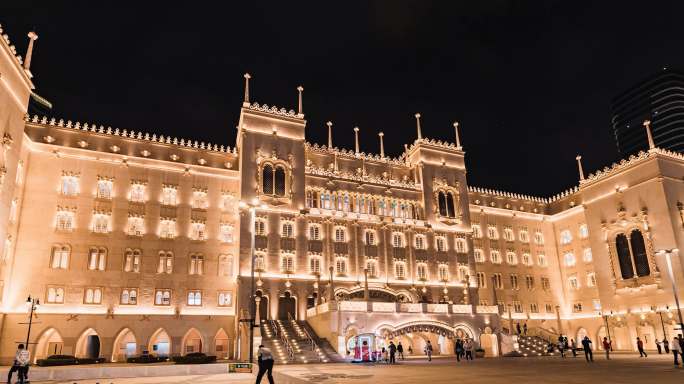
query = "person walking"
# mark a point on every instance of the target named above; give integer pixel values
(606, 347)
(458, 349)
(265, 361)
(384, 356)
(517, 327)
(400, 350)
(586, 346)
(20, 365)
(525, 328)
(392, 352)
(428, 350)
(561, 346)
(468, 347)
(573, 347)
(640, 347)
(676, 351)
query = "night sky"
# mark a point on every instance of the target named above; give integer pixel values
(529, 82)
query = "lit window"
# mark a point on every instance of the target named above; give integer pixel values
(421, 271)
(55, 295)
(340, 234)
(260, 227)
(523, 236)
(477, 231)
(492, 232)
(400, 269)
(541, 260)
(97, 259)
(566, 237)
(443, 272)
(372, 267)
(136, 225)
(70, 184)
(167, 228)
(479, 255)
(508, 234)
(169, 195)
(529, 282)
(498, 283)
(132, 260)
(101, 222)
(129, 296)
(481, 280)
(597, 304)
(64, 220)
(287, 263)
(225, 265)
(527, 259)
(137, 192)
(162, 297)
(397, 240)
(227, 201)
(165, 262)
(314, 232)
(92, 296)
(196, 265)
(419, 242)
(586, 255)
(315, 264)
(199, 199)
(591, 279)
(495, 256)
(463, 273)
(534, 308)
(548, 308)
(514, 281)
(569, 258)
(583, 231)
(13, 210)
(194, 298)
(573, 282)
(440, 244)
(511, 258)
(105, 187)
(59, 259)
(198, 231)
(517, 307)
(226, 233)
(273, 180)
(341, 266)
(260, 261)
(287, 229)
(370, 237)
(225, 299)
(538, 238)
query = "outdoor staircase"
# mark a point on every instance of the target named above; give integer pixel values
(295, 342)
(534, 346)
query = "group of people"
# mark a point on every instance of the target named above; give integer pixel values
(389, 354)
(464, 349)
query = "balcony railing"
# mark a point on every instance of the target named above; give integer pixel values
(421, 254)
(340, 248)
(390, 307)
(260, 242)
(399, 252)
(370, 250)
(287, 243)
(315, 246)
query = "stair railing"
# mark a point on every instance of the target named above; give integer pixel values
(288, 347)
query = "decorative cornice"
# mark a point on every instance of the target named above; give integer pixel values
(344, 175)
(345, 153)
(273, 110)
(629, 162)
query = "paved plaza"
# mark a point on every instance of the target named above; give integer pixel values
(621, 369)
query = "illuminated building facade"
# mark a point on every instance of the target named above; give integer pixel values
(136, 242)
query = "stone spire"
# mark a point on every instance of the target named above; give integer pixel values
(29, 52)
(647, 124)
(356, 140)
(420, 134)
(300, 110)
(382, 146)
(458, 137)
(245, 102)
(579, 165)
(329, 124)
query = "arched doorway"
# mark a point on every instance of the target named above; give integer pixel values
(125, 346)
(581, 333)
(222, 342)
(192, 342)
(646, 332)
(49, 343)
(287, 305)
(88, 345)
(263, 305)
(160, 343)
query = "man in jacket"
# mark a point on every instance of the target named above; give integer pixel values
(586, 346)
(676, 350)
(265, 360)
(392, 352)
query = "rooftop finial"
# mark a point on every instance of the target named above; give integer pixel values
(647, 124)
(245, 102)
(382, 146)
(420, 134)
(300, 110)
(356, 140)
(29, 52)
(458, 138)
(329, 124)
(579, 165)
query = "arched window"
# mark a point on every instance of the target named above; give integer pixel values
(370, 237)
(397, 240)
(461, 246)
(441, 200)
(267, 179)
(636, 239)
(315, 264)
(280, 181)
(314, 232)
(624, 257)
(287, 229)
(451, 211)
(443, 272)
(372, 267)
(421, 271)
(340, 235)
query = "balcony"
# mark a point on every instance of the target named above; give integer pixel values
(315, 246)
(288, 243)
(260, 242)
(370, 250)
(340, 248)
(421, 254)
(399, 252)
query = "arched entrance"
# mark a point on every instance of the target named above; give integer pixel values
(417, 334)
(49, 343)
(88, 345)
(125, 346)
(581, 333)
(646, 332)
(221, 342)
(287, 305)
(160, 343)
(263, 305)
(192, 342)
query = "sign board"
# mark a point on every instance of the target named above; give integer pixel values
(240, 368)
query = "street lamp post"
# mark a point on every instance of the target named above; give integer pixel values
(33, 304)
(668, 260)
(605, 319)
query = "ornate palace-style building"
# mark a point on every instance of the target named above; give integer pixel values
(138, 242)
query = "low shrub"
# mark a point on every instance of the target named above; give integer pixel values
(194, 358)
(146, 359)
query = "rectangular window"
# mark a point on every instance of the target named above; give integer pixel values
(101, 222)
(169, 195)
(574, 283)
(591, 279)
(514, 281)
(498, 284)
(260, 227)
(287, 263)
(421, 271)
(492, 232)
(196, 265)
(529, 282)
(225, 267)
(165, 262)
(162, 297)
(577, 307)
(136, 225)
(314, 264)
(314, 232)
(167, 228)
(55, 294)
(587, 257)
(132, 258)
(548, 308)
(105, 187)
(481, 280)
(60, 257)
(546, 284)
(400, 269)
(70, 184)
(478, 255)
(226, 233)
(199, 199)
(97, 259)
(64, 221)
(534, 308)
(341, 266)
(137, 193)
(92, 295)
(538, 238)
(597, 304)
(495, 256)
(225, 299)
(129, 296)
(541, 260)
(194, 298)
(477, 231)
(517, 307)
(198, 231)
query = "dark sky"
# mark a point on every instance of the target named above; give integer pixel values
(530, 82)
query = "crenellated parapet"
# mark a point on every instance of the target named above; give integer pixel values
(345, 153)
(273, 110)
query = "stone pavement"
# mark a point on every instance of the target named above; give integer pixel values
(237, 378)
